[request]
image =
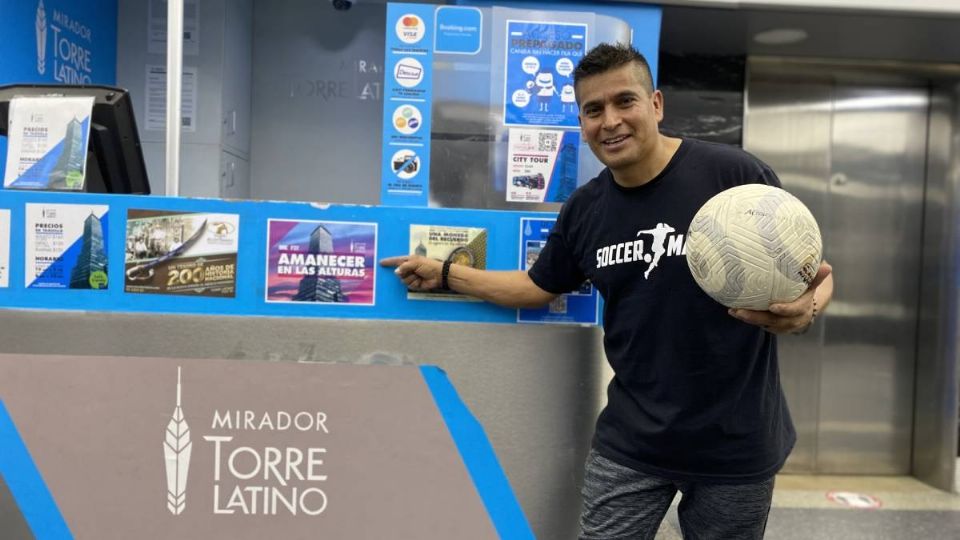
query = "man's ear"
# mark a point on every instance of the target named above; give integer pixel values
(657, 98)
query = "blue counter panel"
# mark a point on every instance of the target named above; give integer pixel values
(390, 296)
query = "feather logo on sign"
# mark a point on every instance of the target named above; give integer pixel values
(176, 450)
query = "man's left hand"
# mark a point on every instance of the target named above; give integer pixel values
(790, 317)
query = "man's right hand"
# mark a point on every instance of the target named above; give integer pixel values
(417, 273)
(508, 288)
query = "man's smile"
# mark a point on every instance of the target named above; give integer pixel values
(614, 141)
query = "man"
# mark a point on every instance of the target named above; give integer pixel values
(695, 404)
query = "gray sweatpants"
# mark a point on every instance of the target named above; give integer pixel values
(621, 503)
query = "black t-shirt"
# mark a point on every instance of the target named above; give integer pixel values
(696, 393)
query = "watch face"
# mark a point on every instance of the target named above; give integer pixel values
(462, 256)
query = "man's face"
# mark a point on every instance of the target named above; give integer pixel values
(619, 117)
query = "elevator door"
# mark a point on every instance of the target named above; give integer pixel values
(852, 146)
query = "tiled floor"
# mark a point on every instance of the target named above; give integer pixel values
(909, 509)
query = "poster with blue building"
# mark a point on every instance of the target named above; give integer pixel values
(66, 246)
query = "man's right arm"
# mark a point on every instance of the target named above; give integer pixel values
(512, 289)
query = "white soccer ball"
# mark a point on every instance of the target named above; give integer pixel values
(753, 245)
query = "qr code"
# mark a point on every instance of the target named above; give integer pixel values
(558, 305)
(547, 142)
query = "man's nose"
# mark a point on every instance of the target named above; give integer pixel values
(610, 118)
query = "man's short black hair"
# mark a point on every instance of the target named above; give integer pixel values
(607, 56)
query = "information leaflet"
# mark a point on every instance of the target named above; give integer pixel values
(578, 307)
(66, 246)
(48, 139)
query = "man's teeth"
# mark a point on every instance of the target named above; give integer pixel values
(615, 140)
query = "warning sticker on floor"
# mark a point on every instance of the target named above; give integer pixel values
(854, 500)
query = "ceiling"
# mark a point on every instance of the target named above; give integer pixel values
(844, 35)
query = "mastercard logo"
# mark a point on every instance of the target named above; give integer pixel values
(410, 28)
